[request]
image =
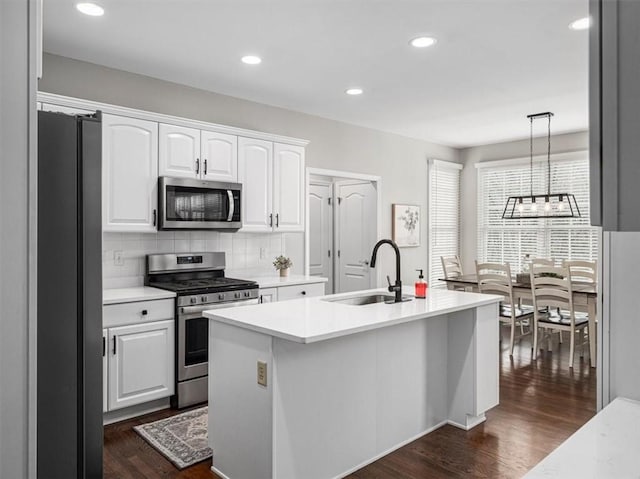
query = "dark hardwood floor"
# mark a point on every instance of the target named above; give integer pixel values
(541, 404)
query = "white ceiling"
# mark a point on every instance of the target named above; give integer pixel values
(495, 60)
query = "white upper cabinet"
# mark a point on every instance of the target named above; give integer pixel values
(129, 174)
(193, 153)
(219, 154)
(255, 172)
(179, 151)
(272, 175)
(288, 187)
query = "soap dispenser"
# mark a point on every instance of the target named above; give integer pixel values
(421, 286)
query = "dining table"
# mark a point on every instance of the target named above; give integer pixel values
(585, 299)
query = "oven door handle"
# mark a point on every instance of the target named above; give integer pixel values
(191, 310)
(231, 205)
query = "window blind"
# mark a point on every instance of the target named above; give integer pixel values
(509, 241)
(444, 216)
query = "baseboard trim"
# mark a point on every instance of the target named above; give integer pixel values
(472, 421)
(130, 412)
(391, 449)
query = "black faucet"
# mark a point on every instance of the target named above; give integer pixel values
(397, 287)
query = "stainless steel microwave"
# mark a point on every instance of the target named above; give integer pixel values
(198, 204)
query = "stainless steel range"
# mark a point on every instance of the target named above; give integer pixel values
(200, 283)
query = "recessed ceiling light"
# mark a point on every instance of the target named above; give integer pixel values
(422, 42)
(251, 60)
(89, 8)
(580, 24)
(354, 91)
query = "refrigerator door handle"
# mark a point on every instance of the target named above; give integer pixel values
(104, 346)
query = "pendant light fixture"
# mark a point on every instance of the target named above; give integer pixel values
(544, 205)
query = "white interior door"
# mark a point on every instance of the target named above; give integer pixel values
(321, 231)
(355, 236)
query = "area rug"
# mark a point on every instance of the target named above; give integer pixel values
(182, 438)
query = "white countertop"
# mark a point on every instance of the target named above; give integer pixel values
(607, 446)
(139, 293)
(312, 319)
(273, 280)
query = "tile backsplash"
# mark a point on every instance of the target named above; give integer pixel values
(123, 254)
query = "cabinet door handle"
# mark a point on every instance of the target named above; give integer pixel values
(271, 220)
(114, 345)
(205, 167)
(155, 215)
(261, 300)
(277, 220)
(304, 293)
(144, 312)
(197, 166)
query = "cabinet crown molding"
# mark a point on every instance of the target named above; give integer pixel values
(162, 118)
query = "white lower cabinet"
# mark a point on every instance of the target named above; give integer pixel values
(141, 363)
(300, 291)
(268, 295)
(105, 369)
(284, 293)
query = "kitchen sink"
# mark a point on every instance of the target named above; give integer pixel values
(367, 299)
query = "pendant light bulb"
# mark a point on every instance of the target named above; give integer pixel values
(520, 205)
(534, 206)
(560, 203)
(547, 204)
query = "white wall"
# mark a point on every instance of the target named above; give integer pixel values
(400, 161)
(621, 316)
(499, 151)
(17, 117)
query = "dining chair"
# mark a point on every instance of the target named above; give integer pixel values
(452, 268)
(553, 308)
(495, 278)
(582, 271)
(542, 262)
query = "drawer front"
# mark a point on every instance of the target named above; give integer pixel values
(139, 312)
(300, 291)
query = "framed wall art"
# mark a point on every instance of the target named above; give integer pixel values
(405, 224)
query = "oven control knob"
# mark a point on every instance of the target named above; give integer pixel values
(246, 294)
(237, 295)
(203, 299)
(221, 297)
(193, 300)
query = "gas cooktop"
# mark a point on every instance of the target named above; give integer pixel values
(204, 285)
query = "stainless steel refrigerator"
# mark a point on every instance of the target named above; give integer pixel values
(69, 375)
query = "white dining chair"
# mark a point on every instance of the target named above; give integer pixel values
(452, 268)
(553, 308)
(495, 278)
(581, 271)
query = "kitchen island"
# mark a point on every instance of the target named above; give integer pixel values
(317, 388)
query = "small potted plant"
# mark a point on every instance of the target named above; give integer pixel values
(282, 264)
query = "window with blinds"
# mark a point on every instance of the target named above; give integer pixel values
(508, 241)
(444, 216)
